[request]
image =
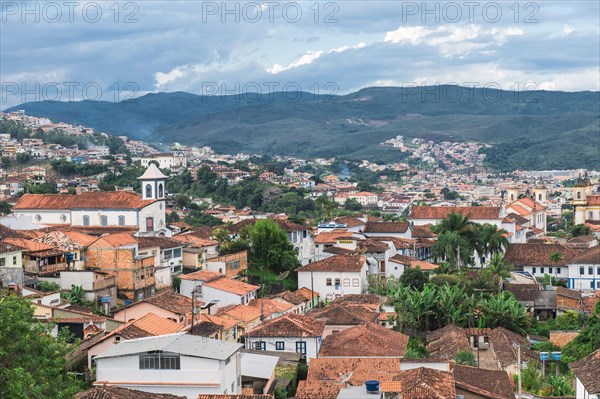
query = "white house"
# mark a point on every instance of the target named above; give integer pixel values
(101, 209)
(587, 384)
(584, 270)
(335, 276)
(388, 229)
(177, 364)
(11, 264)
(215, 287)
(289, 333)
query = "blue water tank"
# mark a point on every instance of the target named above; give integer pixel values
(372, 386)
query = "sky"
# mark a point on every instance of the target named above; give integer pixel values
(114, 50)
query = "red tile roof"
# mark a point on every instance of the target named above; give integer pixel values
(85, 200)
(345, 315)
(586, 370)
(493, 384)
(336, 263)
(442, 212)
(386, 227)
(590, 256)
(110, 392)
(362, 369)
(232, 286)
(290, 325)
(538, 254)
(365, 341)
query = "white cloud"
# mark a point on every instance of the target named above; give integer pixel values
(311, 56)
(409, 34)
(567, 29)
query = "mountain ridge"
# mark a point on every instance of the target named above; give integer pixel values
(318, 125)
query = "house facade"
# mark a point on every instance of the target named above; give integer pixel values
(178, 364)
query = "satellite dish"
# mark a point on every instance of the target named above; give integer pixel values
(283, 276)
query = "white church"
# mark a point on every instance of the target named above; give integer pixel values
(93, 209)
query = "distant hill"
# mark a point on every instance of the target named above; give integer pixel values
(530, 130)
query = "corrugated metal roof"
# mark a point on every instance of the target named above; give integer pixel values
(183, 344)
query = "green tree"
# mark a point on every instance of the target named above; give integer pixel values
(581, 230)
(48, 286)
(555, 257)
(198, 218)
(270, 248)
(450, 246)
(503, 310)
(462, 226)
(493, 240)
(497, 271)
(23, 157)
(352, 205)
(172, 217)
(5, 207)
(76, 295)
(32, 362)
(413, 278)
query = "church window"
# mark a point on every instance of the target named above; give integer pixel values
(578, 194)
(160, 190)
(540, 197)
(149, 224)
(121, 220)
(86, 220)
(104, 220)
(148, 190)
(38, 218)
(63, 218)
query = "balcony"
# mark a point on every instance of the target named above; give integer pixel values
(34, 268)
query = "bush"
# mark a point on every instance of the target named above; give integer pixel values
(465, 357)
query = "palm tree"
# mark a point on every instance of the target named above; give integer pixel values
(493, 239)
(461, 225)
(453, 248)
(555, 257)
(497, 271)
(444, 268)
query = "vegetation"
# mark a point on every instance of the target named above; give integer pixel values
(562, 124)
(465, 357)
(581, 230)
(32, 362)
(48, 286)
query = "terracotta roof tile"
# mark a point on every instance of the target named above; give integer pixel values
(172, 302)
(201, 275)
(162, 242)
(493, 384)
(336, 263)
(118, 239)
(219, 396)
(537, 254)
(349, 221)
(111, 392)
(232, 286)
(330, 237)
(365, 340)
(386, 227)
(360, 299)
(362, 369)
(588, 257)
(586, 370)
(442, 212)
(268, 307)
(244, 313)
(425, 382)
(344, 315)
(317, 390)
(290, 325)
(86, 200)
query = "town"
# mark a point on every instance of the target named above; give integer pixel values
(131, 269)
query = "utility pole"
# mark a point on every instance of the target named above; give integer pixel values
(519, 365)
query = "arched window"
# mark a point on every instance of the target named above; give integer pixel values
(578, 194)
(148, 190)
(149, 224)
(86, 220)
(160, 191)
(540, 197)
(121, 220)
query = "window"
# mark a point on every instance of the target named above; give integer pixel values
(168, 254)
(301, 347)
(280, 345)
(541, 270)
(104, 220)
(177, 253)
(14, 260)
(149, 224)
(121, 220)
(260, 345)
(550, 270)
(86, 220)
(338, 282)
(578, 194)
(355, 282)
(328, 282)
(590, 270)
(534, 270)
(597, 269)
(346, 282)
(558, 270)
(160, 191)
(160, 361)
(581, 270)
(148, 191)
(38, 218)
(2, 261)
(592, 285)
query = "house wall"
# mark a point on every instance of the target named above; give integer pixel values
(357, 282)
(12, 259)
(111, 214)
(162, 277)
(193, 370)
(313, 344)
(586, 281)
(47, 216)
(224, 264)
(155, 210)
(225, 298)
(141, 309)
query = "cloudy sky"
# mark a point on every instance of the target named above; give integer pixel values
(65, 50)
